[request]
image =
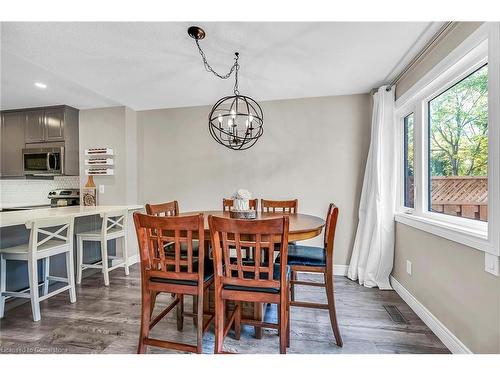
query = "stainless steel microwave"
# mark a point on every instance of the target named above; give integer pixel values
(43, 161)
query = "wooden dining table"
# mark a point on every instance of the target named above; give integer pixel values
(301, 227)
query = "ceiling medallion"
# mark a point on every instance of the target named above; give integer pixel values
(235, 121)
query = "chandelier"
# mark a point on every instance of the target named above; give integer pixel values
(235, 121)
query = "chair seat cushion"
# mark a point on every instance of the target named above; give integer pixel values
(311, 256)
(263, 276)
(208, 273)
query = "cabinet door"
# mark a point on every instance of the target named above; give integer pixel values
(12, 144)
(34, 126)
(54, 124)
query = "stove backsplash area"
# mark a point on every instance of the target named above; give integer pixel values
(20, 192)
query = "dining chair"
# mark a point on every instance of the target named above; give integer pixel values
(179, 272)
(163, 209)
(289, 206)
(48, 237)
(317, 260)
(239, 280)
(227, 204)
(113, 227)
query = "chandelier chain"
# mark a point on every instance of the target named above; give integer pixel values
(234, 68)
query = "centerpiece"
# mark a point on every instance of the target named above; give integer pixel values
(241, 206)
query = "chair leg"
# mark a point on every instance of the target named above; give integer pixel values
(153, 301)
(292, 285)
(331, 307)
(288, 321)
(180, 313)
(79, 259)
(257, 315)
(282, 327)
(70, 272)
(46, 274)
(219, 324)
(125, 254)
(104, 256)
(199, 323)
(3, 281)
(195, 310)
(145, 320)
(33, 281)
(237, 321)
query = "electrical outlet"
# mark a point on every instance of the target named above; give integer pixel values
(101, 189)
(408, 267)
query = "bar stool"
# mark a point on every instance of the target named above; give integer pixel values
(114, 226)
(48, 237)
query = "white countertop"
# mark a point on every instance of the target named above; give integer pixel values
(21, 217)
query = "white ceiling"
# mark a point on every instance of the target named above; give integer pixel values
(147, 65)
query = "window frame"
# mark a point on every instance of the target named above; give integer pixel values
(405, 159)
(480, 48)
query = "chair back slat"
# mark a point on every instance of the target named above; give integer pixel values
(113, 220)
(262, 235)
(44, 230)
(289, 206)
(160, 245)
(163, 209)
(227, 204)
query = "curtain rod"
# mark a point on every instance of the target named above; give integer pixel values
(422, 52)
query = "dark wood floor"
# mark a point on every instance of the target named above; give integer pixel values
(106, 320)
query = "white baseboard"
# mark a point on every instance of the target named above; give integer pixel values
(133, 259)
(444, 334)
(340, 269)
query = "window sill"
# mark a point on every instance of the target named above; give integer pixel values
(474, 238)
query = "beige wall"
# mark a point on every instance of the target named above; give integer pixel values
(448, 42)
(312, 149)
(450, 281)
(449, 278)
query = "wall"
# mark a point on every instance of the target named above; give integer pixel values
(443, 46)
(449, 278)
(312, 149)
(114, 127)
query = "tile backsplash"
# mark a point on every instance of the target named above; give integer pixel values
(18, 192)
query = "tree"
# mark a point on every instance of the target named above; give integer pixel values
(459, 128)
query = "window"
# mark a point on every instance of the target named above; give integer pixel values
(449, 132)
(458, 148)
(408, 160)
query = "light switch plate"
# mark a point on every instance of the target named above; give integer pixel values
(491, 264)
(101, 189)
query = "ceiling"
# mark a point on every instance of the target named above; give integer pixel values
(146, 65)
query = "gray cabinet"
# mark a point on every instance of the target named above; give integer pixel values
(39, 127)
(12, 133)
(34, 126)
(54, 124)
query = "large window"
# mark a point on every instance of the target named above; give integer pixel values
(449, 131)
(458, 148)
(409, 161)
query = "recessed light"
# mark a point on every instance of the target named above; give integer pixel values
(40, 85)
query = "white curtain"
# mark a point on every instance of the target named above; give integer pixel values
(373, 252)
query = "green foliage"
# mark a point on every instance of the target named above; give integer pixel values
(459, 128)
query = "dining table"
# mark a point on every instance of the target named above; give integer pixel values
(301, 227)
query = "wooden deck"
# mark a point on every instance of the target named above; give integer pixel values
(106, 320)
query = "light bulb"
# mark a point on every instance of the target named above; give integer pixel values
(233, 114)
(229, 123)
(250, 118)
(220, 119)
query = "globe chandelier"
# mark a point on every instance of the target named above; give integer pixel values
(235, 121)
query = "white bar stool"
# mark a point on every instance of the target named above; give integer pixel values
(48, 237)
(114, 226)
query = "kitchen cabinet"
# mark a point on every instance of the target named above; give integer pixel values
(34, 126)
(12, 133)
(54, 124)
(43, 127)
